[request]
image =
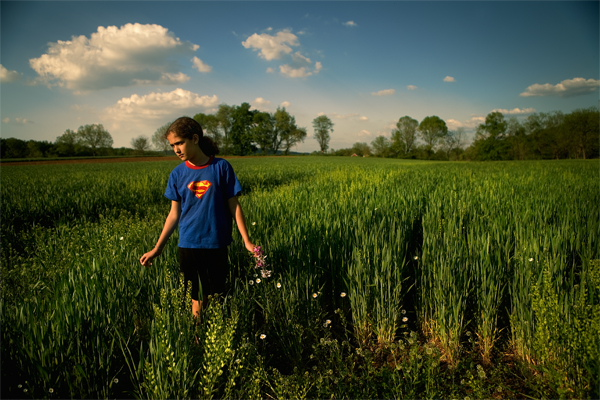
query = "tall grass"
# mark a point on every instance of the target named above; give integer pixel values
(384, 271)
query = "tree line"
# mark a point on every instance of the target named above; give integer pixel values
(238, 130)
(553, 135)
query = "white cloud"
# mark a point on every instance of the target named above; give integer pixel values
(515, 110)
(299, 67)
(159, 106)
(350, 23)
(17, 121)
(133, 54)
(448, 79)
(8, 76)
(200, 66)
(270, 70)
(364, 133)
(411, 87)
(386, 92)
(363, 118)
(261, 104)
(566, 88)
(272, 47)
(471, 123)
(346, 116)
(285, 104)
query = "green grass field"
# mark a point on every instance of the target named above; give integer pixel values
(390, 279)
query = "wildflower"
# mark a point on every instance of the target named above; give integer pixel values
(469, 333)
(19, 386)
(51, 390)
(263, 336)
(404, 319)
(429, 350)
(25, 390)
(265, 274)
(251, 282)
(116, 380)
(403, 311)
(531, 259)
(343, 294)
(238, 361)
(257, 280)
(328, 321)
(121, 238)
(254, 223)
(315, 295)
(416, 258)
(278, 285)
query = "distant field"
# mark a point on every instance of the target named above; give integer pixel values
(390, 279)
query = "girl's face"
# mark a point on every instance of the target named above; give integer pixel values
(185, 149)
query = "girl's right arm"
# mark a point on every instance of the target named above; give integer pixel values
(170, 225)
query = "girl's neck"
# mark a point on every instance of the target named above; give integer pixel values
(199, 159)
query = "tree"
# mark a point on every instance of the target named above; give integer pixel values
(225, 117)
(583, 126)
(323, 126)
(67, 144)
(381, 146)
(140, 144)
(405, 136)
(94, 136)
(432, 130)
(293, 138)
(489, 141)
(210, 127)
(361, 149)
(158, 138)
(263, 130)
(240, 134)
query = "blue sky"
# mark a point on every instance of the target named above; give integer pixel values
(134, 66)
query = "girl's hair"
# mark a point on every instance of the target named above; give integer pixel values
(186, 128)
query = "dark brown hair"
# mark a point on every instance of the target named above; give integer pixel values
(186, 128)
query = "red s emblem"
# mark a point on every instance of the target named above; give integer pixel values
(199, 188)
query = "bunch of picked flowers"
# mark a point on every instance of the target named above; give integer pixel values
(261, 263)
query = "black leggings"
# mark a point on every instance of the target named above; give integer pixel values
(208, 266)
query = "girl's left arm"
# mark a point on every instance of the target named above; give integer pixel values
(237, 213)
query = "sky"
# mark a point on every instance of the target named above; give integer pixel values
(135, 66)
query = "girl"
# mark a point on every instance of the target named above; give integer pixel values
(203, 191)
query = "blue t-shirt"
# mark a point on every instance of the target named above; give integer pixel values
(203, 192)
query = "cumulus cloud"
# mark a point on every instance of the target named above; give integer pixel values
(300, 67)
(131, 55)
(272, 47)
(363, 118)
(285, 104)
(345, 116)
(350, 23)
(17, 121)
(200, 66)
(261, 104)
(159, 106)
(448, 79)
(411, 87)
(471, 123)
(270, 70)
(386, 92)
(514, 111)
(8, 76)
(566, 88)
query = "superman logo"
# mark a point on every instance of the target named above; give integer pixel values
(199, 188)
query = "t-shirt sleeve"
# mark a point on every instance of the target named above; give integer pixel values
(171, 193)
(232, 185)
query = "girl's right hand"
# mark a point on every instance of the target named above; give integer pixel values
(147, 258)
